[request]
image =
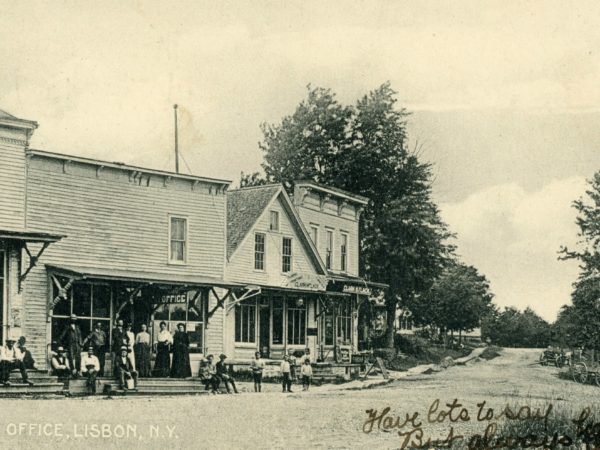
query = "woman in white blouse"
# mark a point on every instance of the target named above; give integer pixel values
(142, 351)
(130, 342)
(164, 341)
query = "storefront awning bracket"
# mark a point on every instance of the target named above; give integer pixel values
(251, 291)
(324, 308)
(33, 259)
(220, 302)
(63, 291)
(129, 300)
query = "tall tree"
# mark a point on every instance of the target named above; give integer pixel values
(363, 149)
(584, 314)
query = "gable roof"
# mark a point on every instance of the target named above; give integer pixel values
(246, 205)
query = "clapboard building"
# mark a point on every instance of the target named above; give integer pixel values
(137, 244)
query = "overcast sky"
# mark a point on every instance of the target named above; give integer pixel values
(505, 100)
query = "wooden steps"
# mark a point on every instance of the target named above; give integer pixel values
(43, 384)
(146, 386)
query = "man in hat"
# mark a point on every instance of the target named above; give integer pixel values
(97, 339)
(27, 357)
(224, 376)
(124, 369)
(119, 339)
(60, 364)
(12, 358)
(71, 340)
(91, 367)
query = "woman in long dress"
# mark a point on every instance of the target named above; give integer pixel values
(142, 352)
(181, 355)
(163, 343)
(130, 343)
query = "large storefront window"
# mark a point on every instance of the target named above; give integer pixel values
(90, 302)
(182, 312)
(296, 322)
(344, 322)
(245, 321)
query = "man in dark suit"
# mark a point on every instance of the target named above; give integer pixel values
(119, 339)
(72, 341)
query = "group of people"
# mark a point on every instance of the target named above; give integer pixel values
(213, 374)
(131, 354)
(15, 357)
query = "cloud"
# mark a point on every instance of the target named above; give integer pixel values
(513, 235)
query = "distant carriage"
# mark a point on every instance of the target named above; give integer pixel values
(553, 357)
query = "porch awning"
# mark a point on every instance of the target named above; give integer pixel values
(357, 281)
(89, 273)
(302, 291)
(30, 236)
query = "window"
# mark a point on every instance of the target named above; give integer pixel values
(274, 221)
(259, 251)
(296, 322)
(329, 249)
(90, 302)
(314, 234)
(344, 253)
(186, 312)
(286, 255)
(245, 321)
(178, 240)
(344, 322)
(277, 320)
(406, 323)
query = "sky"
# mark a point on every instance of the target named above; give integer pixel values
(504, 96)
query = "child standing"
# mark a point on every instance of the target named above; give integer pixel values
(286, 379)
(257, 367)
(306, 372)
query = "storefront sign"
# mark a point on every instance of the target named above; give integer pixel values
(174, 298)
(309, 282)
(353, 289)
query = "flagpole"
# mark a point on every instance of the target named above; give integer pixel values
(176, 141)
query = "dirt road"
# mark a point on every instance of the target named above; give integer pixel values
(318, 418)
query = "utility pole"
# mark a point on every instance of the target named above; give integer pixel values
(176, 141)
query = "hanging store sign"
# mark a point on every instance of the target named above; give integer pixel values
(353, 289)
(308, 282)
(174, 298)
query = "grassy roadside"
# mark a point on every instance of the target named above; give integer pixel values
(412, 351)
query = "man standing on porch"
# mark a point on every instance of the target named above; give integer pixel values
(72, 341)
(119, 339)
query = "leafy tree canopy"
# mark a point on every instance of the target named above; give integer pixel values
(363, 149)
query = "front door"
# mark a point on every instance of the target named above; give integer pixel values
(264, 330)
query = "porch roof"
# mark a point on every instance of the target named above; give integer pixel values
(30, 236)
(94, 273)
(302, 291)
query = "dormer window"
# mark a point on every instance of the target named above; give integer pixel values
(274, 221)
